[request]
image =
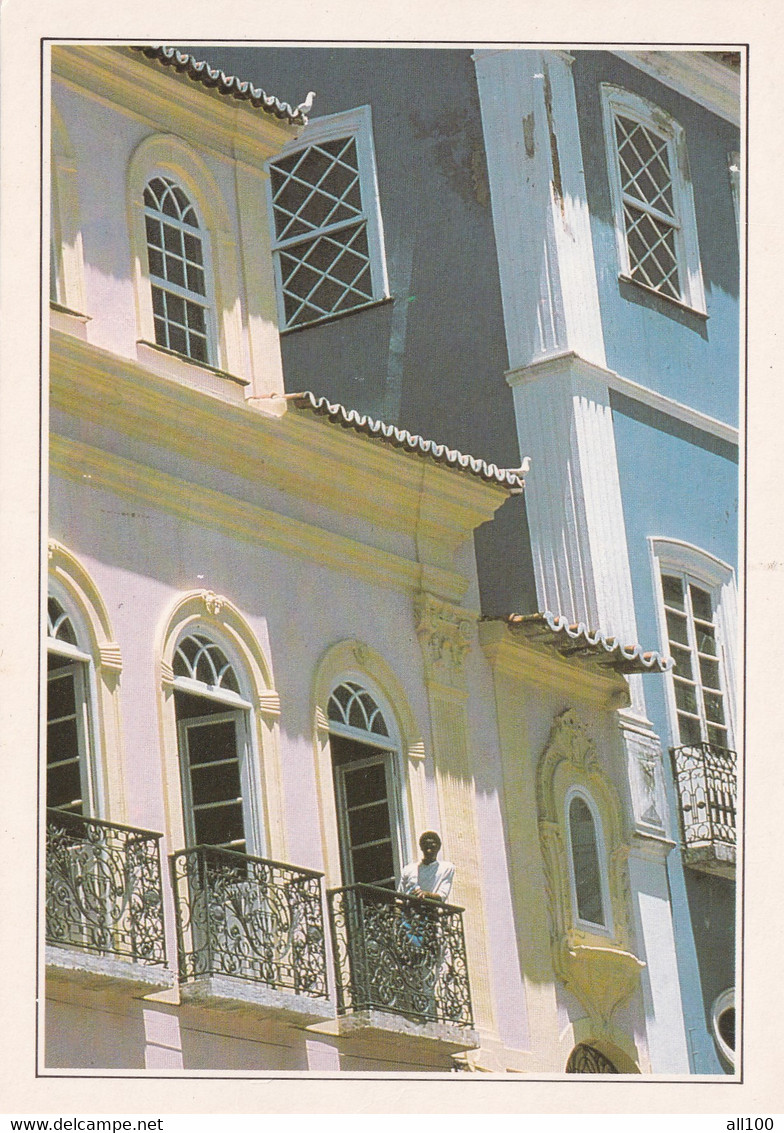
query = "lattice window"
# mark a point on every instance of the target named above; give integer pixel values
(352, 705)
(652, 198)
(697, 678)
(202, 660)
(178, 272)
(648, 207)
(60, 627)
(327, 231)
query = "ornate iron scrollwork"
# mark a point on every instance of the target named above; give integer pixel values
(586, 1059)
(707, 784)
(249, 918)
(103, 888)
(404, 955)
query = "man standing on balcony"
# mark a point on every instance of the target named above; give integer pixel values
(429, 877)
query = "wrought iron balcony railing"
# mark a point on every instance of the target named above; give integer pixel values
(249, 918)
(103, 888)
(402, 955)
(707, 784)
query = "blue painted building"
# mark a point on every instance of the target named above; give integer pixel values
(546, 265)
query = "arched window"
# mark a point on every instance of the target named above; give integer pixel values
(585, 858)
(70, 779)
(367, 789)
(220, 786)
(179, 272)
(586, 1059)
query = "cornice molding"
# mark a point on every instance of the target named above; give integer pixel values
(267, 442)
(559, 362)
(539, 666)
(694, 75)
(116, 76)
(252, 523)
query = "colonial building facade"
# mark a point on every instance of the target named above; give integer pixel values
(287, 632)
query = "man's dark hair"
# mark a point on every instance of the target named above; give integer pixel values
(429, 834)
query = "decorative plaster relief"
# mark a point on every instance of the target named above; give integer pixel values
(644, 766)
(595, 963)
(445, 633)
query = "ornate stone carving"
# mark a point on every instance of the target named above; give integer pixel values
(643, 754)
(445, 633)
(360, 654)
(111, 658)
(167, 674)
(269, 703)
(596, 965)
(322, 723)
(213, 603)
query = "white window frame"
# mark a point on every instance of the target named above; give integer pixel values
(673, 556)
(617, 101)
(239, 708)
(606, 929)
(205, 301)
(82, 667)
(358, 123)
(734, 169)
(723, 1002)
(388, 747)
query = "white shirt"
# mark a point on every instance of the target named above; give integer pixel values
(435, 877)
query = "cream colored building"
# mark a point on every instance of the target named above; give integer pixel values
(268, 673)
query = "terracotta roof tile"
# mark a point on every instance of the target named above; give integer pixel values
(577, 640)
(200, 72)
(511, 479)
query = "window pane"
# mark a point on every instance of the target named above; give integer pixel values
(701, 604)
(677, 629)
(709, 671)
(209, 742)
(61, 697)
(369, 823)
(64, 786)
(365, 784)
(689, 729)
(585, 859)
(373, 864)
(219, 825)
(686, 696)
(673, 591)
(216, 782)
(714, 707)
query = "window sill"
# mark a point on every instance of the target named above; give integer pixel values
(675, 304)
(68, 321)
(338, 315)
(197, 375)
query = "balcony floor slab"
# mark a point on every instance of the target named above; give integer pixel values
(96, 971)
(231, 994)
(385, 1025)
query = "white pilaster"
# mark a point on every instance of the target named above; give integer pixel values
(540, 207)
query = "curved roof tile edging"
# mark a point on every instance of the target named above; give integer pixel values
(577, 639)
(409, 442)
(200, 71)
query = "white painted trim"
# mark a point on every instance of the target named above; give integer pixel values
(719, 577)
(633, 390)
(608, 928)
(615, 101)
(390, 750)
(723, 1002)
(241, 709)
(540, 209)
(694, 75)
(734, 168)
(359, 123)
